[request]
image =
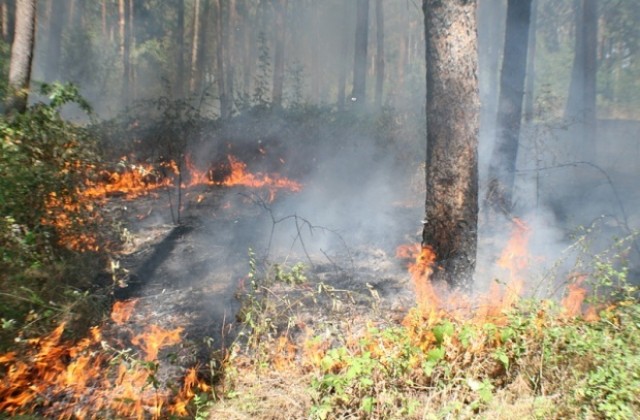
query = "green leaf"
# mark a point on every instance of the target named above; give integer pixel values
(436, 354)
(367, 404)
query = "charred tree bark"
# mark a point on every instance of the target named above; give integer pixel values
(360, 54)
(21, 56)
(278, 60)
(54, 40)
(512, 77)
(581, 103)
(450, 226)
(379, 53)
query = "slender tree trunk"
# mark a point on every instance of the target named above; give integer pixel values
(360, 54)
(103, 16)
(21, 56)
(379, 53)
(450, 227)
(54, 40)
(178, 87)
(195, 44)
(202, 57)
(124, 49)
(514, 67)
(581, 104)
(529, 92)
(347, 35)
(242, 43)
(220, 75)
(5, 19)
(228, 22)
(132, 46)
(278, 61)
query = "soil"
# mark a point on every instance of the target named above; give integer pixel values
(190, 272)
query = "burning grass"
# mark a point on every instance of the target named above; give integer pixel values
(95, 378)
(493, 356)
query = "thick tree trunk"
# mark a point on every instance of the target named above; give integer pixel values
(450, 227)
(21, 56)
(54, 40)
(228, 23)
(360, 54)
(278, 60)
(581, 103)
(514, 67)
(379, 53)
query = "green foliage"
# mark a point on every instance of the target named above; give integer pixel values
(43, 162)
(5, 54)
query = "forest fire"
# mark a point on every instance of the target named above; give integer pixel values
(502, 294)
(142, 179)
(90, 377)
(72, 218)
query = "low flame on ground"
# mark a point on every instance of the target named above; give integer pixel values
(90, 379)
(71, 218)
(515, 259)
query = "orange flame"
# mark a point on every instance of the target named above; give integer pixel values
(83, 380)
(122, 311)
(576, 293)
(421, 269)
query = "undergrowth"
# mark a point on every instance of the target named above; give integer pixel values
(50, 240)
(534, 360)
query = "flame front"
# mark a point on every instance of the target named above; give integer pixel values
(420, 268)
(89, 379)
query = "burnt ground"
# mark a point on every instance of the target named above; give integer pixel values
(191, 274)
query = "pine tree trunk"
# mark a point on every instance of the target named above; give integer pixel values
(450, 227)
(224, 107)
(228, 19)
(178, 88)
(21, 56)
(347, 35)
(529, 98)
(379, 70)
(360, 54)
(278, 61)
(195, 44)
(581, 103)
(124, 49)
(502, 168)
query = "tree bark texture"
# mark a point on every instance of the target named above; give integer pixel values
(379, 53)
(228, 23)
(278, 60)
(450, 226)
(360, 54)
(21, 56)
(502, 168)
